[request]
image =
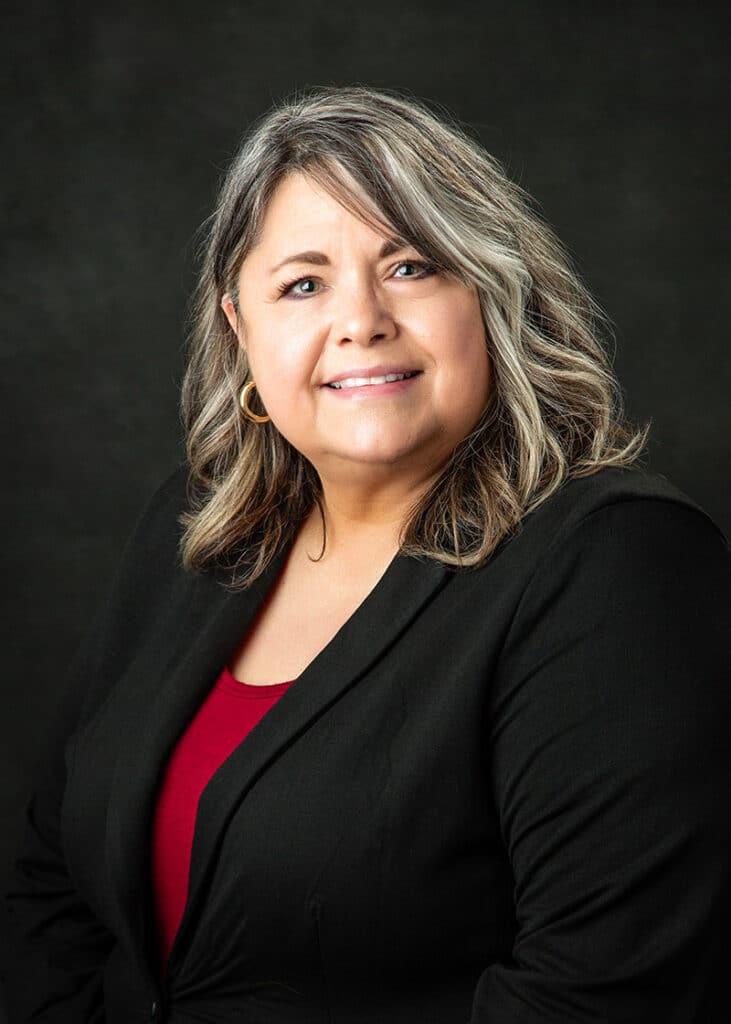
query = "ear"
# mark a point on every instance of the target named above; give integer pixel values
(229, 309)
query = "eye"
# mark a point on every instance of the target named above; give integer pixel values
(289, 287)
(425, 269)
(301, 287)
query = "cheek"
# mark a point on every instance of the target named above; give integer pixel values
(460, 336)
(282, 368)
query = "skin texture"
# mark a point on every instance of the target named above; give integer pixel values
(374, 452)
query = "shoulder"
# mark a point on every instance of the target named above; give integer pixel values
(619, 552)
(147, 577)
(581, 497)
(149, 566)
(167, 499)
(625, 508)
(156, 530)
(623, 604)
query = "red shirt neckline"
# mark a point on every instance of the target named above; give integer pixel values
(237, 688)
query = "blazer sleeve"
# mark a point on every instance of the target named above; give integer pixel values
(609, 746)
(57, 947)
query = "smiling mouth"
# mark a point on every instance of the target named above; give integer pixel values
(362, 382)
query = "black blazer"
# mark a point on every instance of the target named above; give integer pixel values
(497, 795)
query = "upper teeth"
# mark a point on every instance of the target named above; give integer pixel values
(359, 382)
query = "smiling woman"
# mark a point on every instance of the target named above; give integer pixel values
(410, 701)
(361, 321)
(427, 258)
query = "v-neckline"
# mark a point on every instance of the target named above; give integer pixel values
(209, 625)
(277, 576)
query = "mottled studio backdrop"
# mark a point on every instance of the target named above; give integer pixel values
(118, 120)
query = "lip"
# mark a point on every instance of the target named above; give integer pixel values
(371, 371)
(371, 392)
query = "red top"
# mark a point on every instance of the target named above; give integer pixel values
(227, 715)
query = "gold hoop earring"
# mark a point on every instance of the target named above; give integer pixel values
(244, 403)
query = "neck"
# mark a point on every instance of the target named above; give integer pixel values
(361, 523)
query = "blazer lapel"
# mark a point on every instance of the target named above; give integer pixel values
(155, 701)
(213, 628)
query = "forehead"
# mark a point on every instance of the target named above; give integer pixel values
(302, 210)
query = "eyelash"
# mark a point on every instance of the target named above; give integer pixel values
(426, 269)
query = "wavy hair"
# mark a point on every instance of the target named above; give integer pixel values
(555, 409)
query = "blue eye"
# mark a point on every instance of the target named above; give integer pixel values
(426, 270)
(293, 287)
(289, 286)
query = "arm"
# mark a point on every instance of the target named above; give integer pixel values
(57, 946)
(610, 750)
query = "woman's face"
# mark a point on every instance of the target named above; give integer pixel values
(325, 299)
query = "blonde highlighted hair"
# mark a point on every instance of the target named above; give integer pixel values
(555, 410)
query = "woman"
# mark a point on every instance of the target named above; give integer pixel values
(409, 703)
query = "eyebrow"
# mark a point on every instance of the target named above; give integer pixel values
(389, 247)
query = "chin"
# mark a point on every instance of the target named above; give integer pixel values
(378, 457)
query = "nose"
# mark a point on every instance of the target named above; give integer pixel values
(362, 315)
